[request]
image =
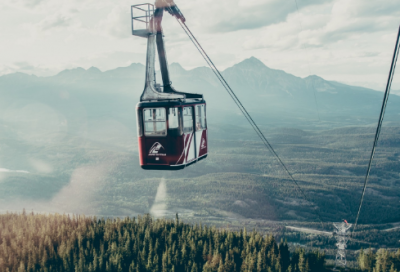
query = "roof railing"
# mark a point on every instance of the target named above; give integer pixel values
(142, 23)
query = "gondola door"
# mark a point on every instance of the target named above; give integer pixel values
(201, 131)
(155, 132)
(188, 132)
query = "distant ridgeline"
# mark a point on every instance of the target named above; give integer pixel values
(34, 242)
(272, 96)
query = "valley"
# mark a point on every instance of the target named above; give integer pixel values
(70, 141)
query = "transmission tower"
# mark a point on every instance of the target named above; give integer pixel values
(342, 238)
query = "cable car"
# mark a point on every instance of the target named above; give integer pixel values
(171, 125)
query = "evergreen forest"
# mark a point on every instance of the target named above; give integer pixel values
(38, 242)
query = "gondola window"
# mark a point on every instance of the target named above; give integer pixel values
(173, 118)
(154, 122)
(187, 120)
(200, 117)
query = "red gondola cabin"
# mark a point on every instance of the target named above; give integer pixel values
(172, 125)
(172, 135)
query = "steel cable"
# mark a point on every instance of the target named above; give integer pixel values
(243, 109)
(380, 121)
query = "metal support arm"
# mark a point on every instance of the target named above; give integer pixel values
(162, 56)
(152, 20)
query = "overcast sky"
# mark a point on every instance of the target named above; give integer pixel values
(350, 41)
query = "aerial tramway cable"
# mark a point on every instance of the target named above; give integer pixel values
(242, 108)
(380, 121)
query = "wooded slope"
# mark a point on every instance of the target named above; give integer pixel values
(36, 242)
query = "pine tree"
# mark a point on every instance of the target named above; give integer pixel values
(21, 267)
(361, 259)
(307, 267)
(221, 267)
(260, 262)
(132, 266)
(302, 262)
(370, 258)
(381, 263)
(284, 256)
(194, 268)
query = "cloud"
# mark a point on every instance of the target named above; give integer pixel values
(355, 17)
(371, 8)
(54, 21)
(351, 36)
(117, 23)
(32, 3)
(23, 66)
(24, 4)
(320, 26)
(65, 20)
(4, 170)
(46, 6)
(256, 14)
(342, 40)
(41, 166)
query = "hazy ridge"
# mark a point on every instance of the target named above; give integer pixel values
(75, 134)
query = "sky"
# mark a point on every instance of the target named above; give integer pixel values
(346, 41)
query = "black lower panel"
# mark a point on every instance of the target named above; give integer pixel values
(169, 167)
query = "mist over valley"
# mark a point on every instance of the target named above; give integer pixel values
(68, 144)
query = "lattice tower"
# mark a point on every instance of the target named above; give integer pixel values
(342, 237)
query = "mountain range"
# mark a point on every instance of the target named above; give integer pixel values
(68, 144)
(272, 96)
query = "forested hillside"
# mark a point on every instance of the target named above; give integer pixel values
(34, 242)
(37, 242)
(383, 260)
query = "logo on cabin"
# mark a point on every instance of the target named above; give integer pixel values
(203, 144)
(157, 150)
